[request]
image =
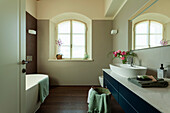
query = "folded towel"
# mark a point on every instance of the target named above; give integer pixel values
(99, 102)
(158, 83)
(43, 89)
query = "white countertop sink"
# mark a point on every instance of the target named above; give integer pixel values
(126, 70)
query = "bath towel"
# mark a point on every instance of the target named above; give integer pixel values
(99, 103)
(43, 89)
(88, 98)
(147, 84)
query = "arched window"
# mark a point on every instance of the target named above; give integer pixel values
(73, 35)
(147, 34)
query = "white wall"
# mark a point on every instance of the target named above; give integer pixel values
(47, 9)
(31, 7)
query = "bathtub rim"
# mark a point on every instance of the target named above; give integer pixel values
(28, 88)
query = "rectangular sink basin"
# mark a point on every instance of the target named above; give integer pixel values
(127, 71)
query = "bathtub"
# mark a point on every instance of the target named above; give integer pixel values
(32, 92)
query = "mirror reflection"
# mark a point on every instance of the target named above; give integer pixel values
(152, 27)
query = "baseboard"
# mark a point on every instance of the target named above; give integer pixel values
(74, 85)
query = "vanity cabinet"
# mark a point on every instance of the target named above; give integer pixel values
(130, 102)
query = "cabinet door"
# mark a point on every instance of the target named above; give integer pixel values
(112, 90)
(126, 106)
(112, 85)
(139, 104)
(112, 81)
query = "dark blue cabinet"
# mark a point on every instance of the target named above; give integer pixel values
(113, 90)
(126, 106)
(130, 102)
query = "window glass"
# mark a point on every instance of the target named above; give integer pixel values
(78, 51)
(64, 27)
(141, 41)
(78, 27)
(65, 50)
(142, 28)
(65, 39)
(73, 39)
(155, 27)
(155, 40)
(79, 40)
(148, 34)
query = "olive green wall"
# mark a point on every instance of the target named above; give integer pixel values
(76, 73)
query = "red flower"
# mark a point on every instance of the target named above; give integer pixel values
(123, 53)
(118, 51)
(115, 53)
(122, 58)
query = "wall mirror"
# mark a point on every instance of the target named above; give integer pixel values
(150, 26)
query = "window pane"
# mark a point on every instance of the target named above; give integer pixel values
(78, 27)
(156, 27)
(142, 27)
(65, 51)
(78, 40)
(155, 40)
(78, 52)
(64, 27)
(65, 39)
(141, 41)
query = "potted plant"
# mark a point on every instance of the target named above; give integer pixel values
(59, 44)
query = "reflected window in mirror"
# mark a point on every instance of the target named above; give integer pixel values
(147, 34)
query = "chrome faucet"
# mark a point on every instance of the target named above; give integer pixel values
(130, 60)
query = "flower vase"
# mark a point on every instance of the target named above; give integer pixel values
(59, 50)
(59, 55)
(123, 61)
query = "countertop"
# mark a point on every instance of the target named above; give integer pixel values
(157, 97)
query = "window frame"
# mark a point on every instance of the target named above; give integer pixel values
(71, 37)
(148, 34)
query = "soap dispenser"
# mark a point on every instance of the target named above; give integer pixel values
(160, 72)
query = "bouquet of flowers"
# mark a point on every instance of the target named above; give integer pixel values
(164, 42)
(123, 55)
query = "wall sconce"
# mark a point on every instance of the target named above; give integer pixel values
(32, 32)
(114, 32)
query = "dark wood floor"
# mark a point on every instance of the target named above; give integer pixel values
(70, 100)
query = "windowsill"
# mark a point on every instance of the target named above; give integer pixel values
(70, 60)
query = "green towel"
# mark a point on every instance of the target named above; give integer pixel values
(159, 83)
(99, 102)
(43, 89)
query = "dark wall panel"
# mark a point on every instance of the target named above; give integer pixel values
(31, 44)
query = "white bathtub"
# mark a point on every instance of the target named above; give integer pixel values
(32, 92)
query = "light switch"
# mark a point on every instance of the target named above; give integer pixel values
(29, 58)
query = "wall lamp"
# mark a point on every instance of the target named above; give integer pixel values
(114, 32)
